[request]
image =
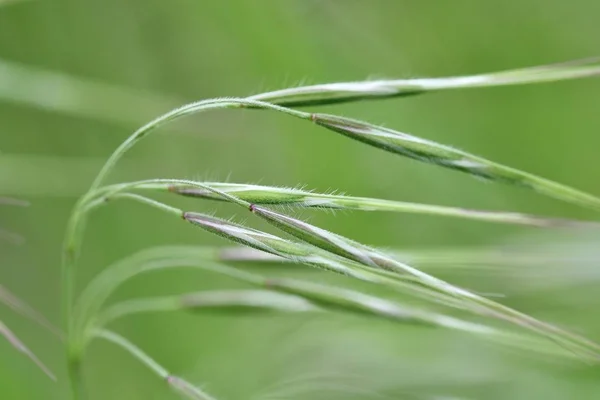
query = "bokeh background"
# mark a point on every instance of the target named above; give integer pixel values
(77, 77)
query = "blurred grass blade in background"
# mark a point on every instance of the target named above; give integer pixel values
(20, 346)
(63, 93)
(24, 309)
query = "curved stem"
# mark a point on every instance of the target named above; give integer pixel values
(188, 109)
(77, 220)
(133, 350)
(178, 384)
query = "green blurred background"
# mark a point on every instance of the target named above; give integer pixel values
(77, 77)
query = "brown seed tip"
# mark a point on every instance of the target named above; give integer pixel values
(252, 207)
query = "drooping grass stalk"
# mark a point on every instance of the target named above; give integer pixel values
(296, 252)
(413, 147)
(369, 257)
(460, 258)
(404, 144)
(445, 156)
(269, 195)
(373, 258)
(133, 350)
(102, 286)
(176, 383)
(332, 93)
(177, 213)
(424, 284)
(299, 253)
(223, 301)
(292, 295)
(434, 288)
(77, 219)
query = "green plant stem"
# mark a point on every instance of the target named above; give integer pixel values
(72, 244)
(77, 219)
(188, 109)
(103, 285)
(133, 350)
(176, 383)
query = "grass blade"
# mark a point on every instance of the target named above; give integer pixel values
(20, 346)
(24, 309)
(9, 201)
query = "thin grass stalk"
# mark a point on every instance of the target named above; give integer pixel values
(27, 311)
(299, 253)
(341, 92)
(22, 348)
(472, 260)
(404, 144)
(103, 285)
(333, 298)
(430, 152)
(268, 195)
(176, 383)
(440, 290)
(373, 258)
(468, 259)
(77, 220)
(295, 296)
(222, 301)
